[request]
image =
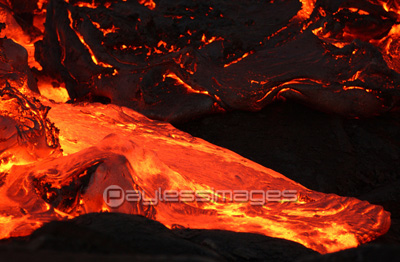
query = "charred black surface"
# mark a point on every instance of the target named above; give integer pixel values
(108, 235)
(185, 59)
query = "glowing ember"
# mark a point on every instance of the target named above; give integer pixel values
(148, 3)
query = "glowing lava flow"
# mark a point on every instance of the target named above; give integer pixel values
(112, 145)
(107, 145)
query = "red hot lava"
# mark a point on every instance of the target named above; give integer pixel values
(57, 159)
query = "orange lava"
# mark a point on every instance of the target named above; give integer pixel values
(135, 151)
(131, 151)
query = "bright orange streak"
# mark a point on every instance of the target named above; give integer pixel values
(359, 11)
(94, 59)
(239, 59)
(181, 82)
(113, 29)
(209, 41)
(356, 88)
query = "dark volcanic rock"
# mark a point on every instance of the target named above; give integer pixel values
(114, 233)
(365, 253)
(245, 246)
(107, 236)
(67, 257)
(185, 59)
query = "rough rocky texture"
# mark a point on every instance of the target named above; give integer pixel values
(364, 253)
(14, 65)
(105, 236)
(186, 58)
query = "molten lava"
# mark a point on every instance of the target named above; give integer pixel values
(136, 153)
(152, 59)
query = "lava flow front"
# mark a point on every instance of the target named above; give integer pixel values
(174, 60)
(107, 145)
